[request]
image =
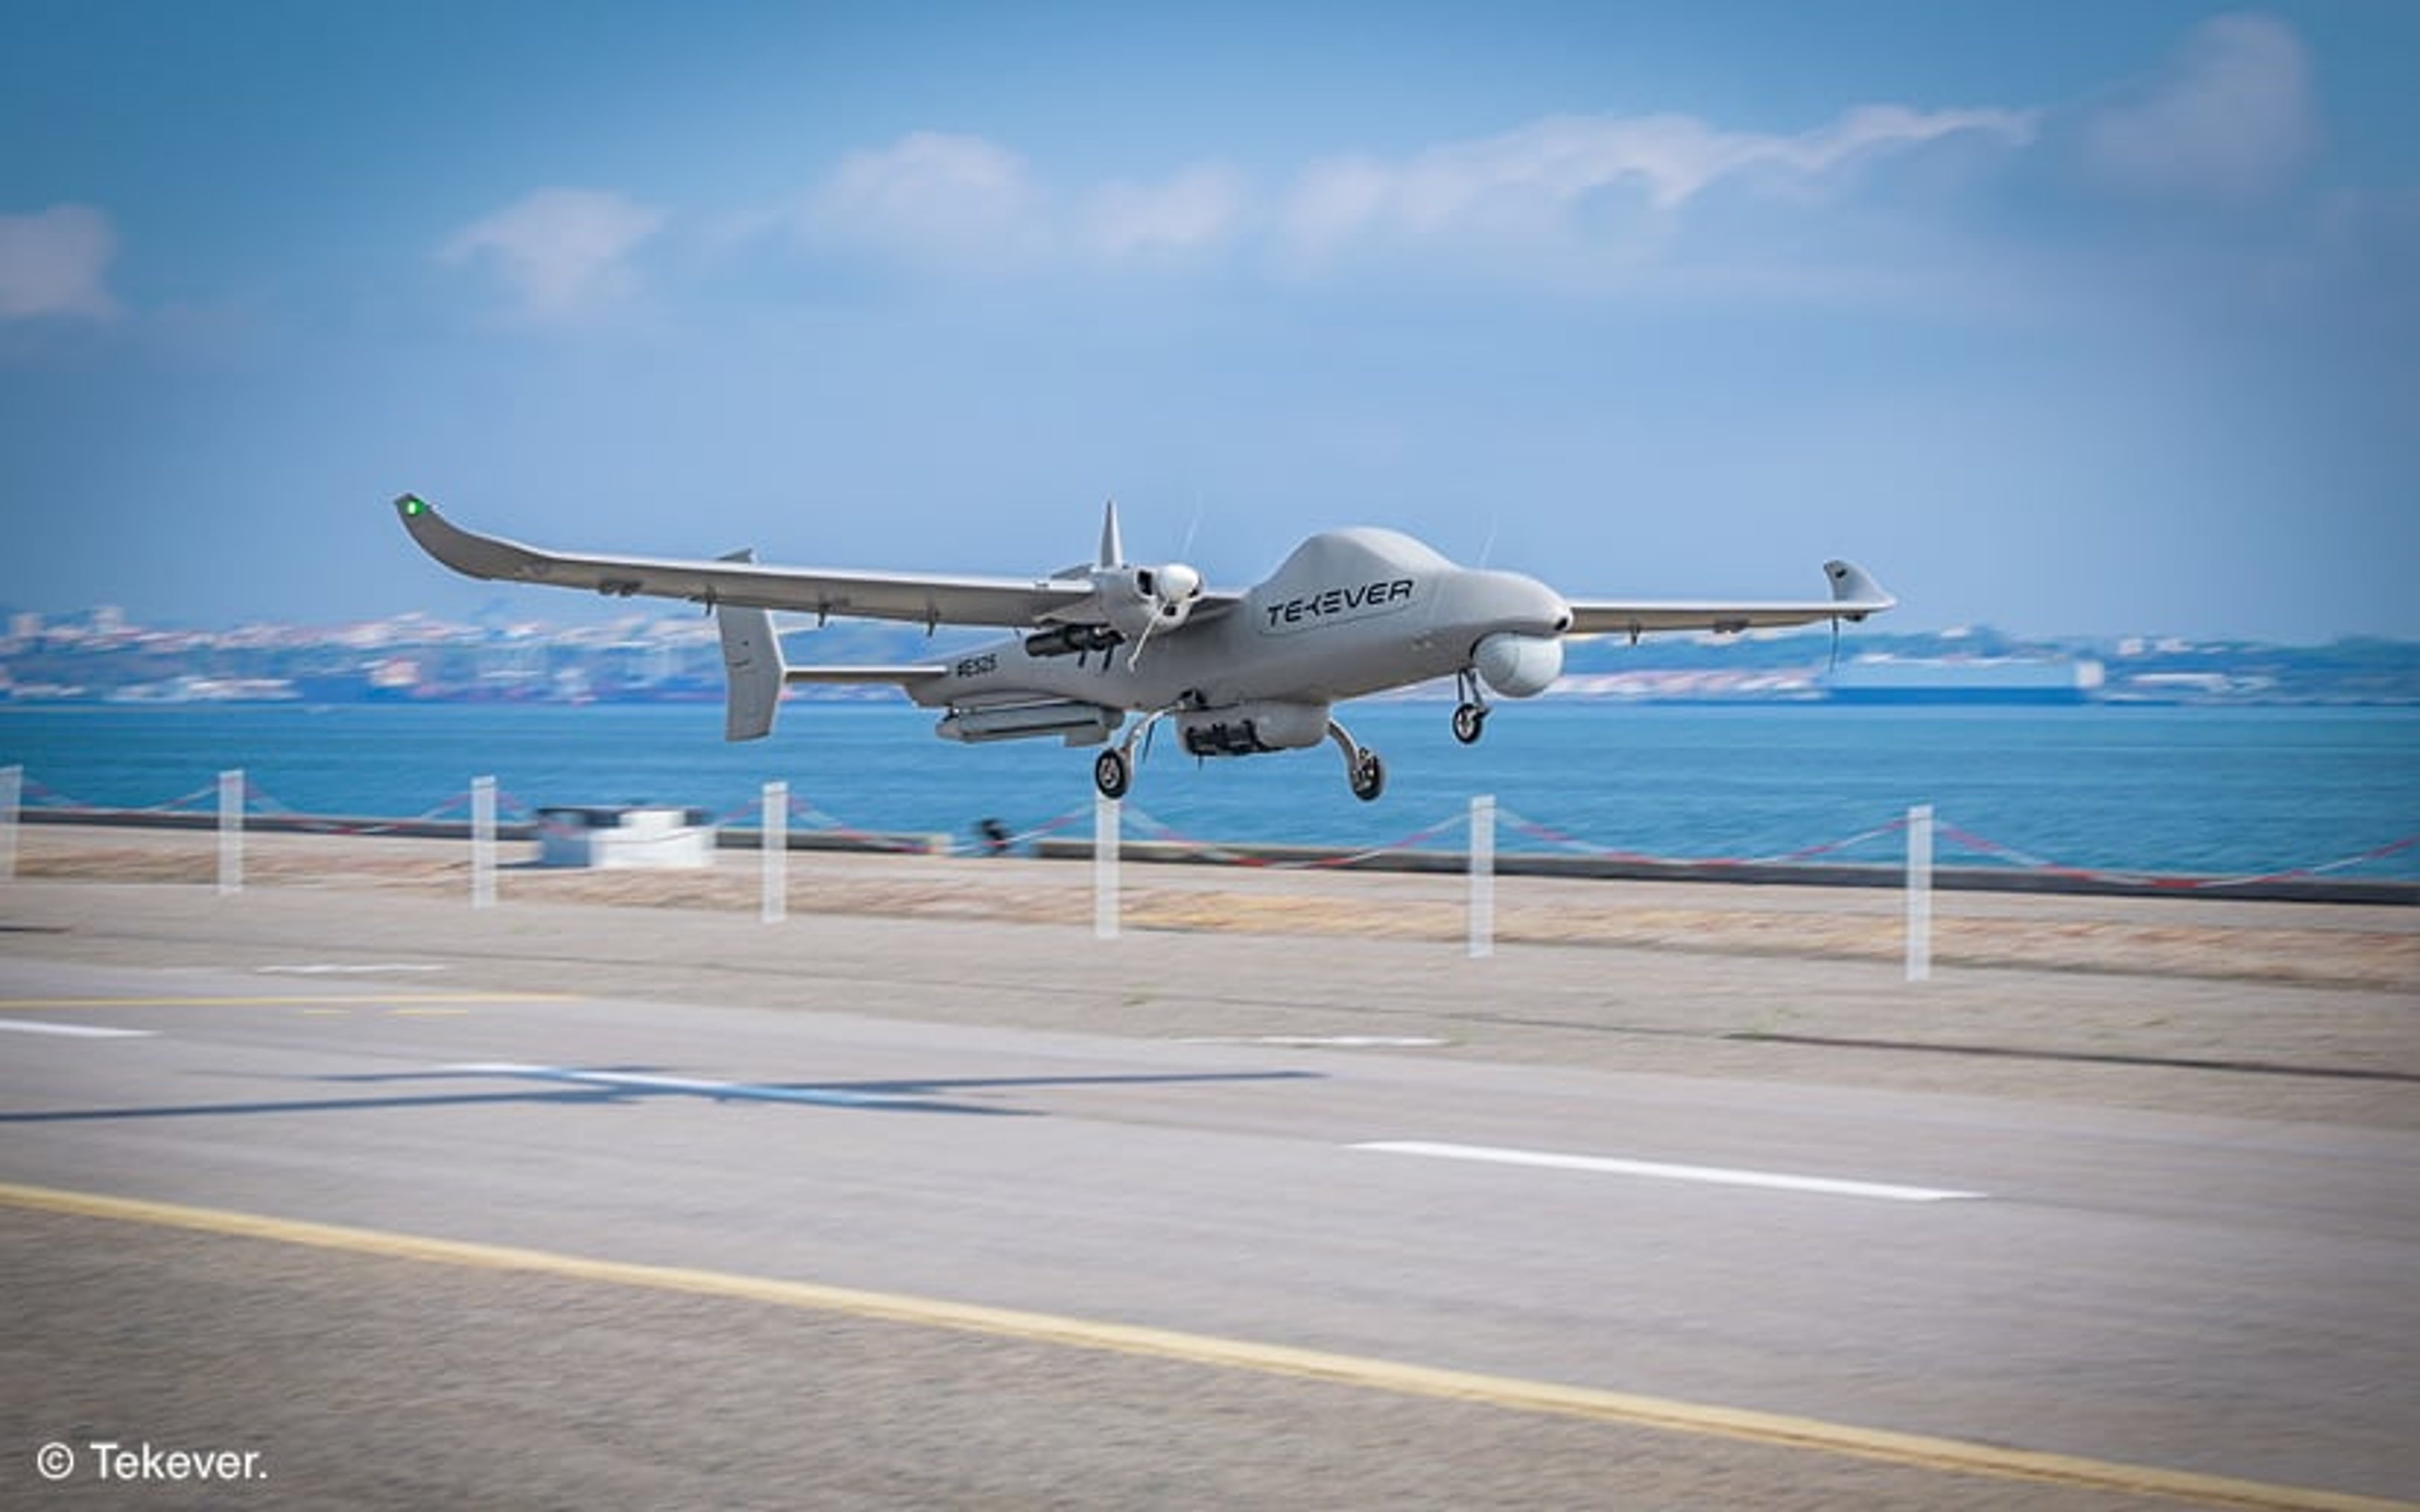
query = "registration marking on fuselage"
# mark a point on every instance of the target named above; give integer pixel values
(1666, 1171)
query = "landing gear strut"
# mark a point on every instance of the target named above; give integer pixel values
(1470, 715)
(1363, 770)
(1114, 768)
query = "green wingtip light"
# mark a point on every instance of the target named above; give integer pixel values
(414, 504)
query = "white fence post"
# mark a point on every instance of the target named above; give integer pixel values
(483, 842)
(1919, 892)
(1104, 868)
(773, 852)
(1483, 877)
(230, 832)
(12, 791)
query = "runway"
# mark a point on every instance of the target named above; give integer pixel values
(524, 1210)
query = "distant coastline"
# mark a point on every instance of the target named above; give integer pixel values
(101, 657)
(2209, 789)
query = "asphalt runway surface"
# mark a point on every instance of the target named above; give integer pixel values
(372, 1200)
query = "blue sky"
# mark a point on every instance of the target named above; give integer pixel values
(2065, 319)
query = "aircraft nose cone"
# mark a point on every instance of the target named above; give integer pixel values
(1514, 602)
(1546, 606)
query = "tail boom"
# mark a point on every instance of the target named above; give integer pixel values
(755, 673)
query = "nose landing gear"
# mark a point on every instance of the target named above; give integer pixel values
(1470, 715)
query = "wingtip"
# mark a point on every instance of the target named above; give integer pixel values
(1853, 584)
(466, 552)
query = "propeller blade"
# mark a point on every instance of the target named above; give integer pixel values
(1113, 552)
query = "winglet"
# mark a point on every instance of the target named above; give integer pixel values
(1856, 592)
(471, 555)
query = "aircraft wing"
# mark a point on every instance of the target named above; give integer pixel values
(921, 598)
(1854, 595)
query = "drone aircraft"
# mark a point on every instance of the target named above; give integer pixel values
(1349, 614)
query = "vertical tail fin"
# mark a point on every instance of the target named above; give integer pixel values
(752, 666)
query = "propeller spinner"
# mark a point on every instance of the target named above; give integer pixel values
(1141, 602)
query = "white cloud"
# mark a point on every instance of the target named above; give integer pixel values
(970, 204)
(1533, 179)
(566, 252)
(2230, 119)
(935, 196)
(1200, 206)
(51, 263)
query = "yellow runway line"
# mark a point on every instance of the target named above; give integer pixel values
(1512, 1394)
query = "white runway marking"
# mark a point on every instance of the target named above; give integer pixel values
(79, 1031)
(1714, 1175)
(1321, 1041)
(334, 968)
(700, 1087)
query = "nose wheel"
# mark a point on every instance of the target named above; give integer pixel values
(1470, 715)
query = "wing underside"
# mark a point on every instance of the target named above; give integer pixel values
(920, 599)
(1854, 595)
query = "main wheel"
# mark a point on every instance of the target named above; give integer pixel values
(1369, 776)
(1469, 723)
(1112, 773)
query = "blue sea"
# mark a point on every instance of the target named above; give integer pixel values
(2160, 790)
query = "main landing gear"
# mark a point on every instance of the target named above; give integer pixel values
(1470, 715)
(1113, 772)
(1363, 770)
(1114, 768)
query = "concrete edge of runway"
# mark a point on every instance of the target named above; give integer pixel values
(1951, 1456)
(2303, 887)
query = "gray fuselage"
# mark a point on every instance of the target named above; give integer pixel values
(1350, 612)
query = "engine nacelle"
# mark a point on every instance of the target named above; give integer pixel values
(1245, 728)
(1518, 666)
(1140, 601)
